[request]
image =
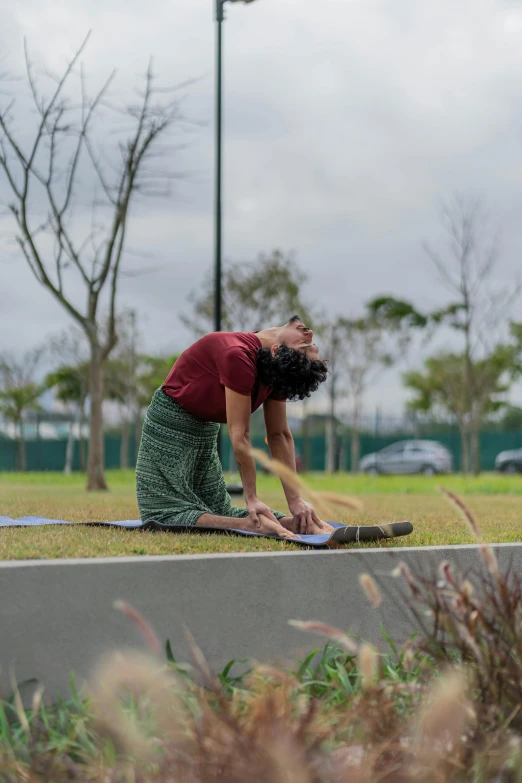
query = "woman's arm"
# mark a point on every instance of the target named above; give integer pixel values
(281, 442)
(238, 419)
(281, 445)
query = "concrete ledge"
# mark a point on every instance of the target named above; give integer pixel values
(57, 616)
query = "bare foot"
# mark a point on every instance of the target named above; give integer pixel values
(322, 528)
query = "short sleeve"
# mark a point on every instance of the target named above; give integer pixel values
(237, 370)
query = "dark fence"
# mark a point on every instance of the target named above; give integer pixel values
(45, 455)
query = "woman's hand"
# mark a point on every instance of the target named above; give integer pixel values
(256, 508)
(261, 519)
(305, 520)
(270, 527)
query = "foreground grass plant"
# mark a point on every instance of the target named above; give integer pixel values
(444, 708)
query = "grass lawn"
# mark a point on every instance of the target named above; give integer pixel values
(496, 501)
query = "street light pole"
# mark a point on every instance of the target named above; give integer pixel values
(218, 216)
(219, 156)
(218, 246)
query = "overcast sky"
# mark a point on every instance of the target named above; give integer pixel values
(346, 122)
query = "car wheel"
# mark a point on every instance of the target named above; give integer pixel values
(373, 471)
(428, 470)
(511, 468)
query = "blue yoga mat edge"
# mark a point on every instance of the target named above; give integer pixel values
(136, 524)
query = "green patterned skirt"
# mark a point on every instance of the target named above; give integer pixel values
(178, 471)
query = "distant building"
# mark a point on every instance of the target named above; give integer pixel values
(44, 425)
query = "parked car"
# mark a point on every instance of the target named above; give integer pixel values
(509, 461)
(409, 456)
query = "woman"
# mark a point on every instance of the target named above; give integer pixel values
(223, 378)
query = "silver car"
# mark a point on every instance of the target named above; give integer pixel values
(409, 456)
(509, 461)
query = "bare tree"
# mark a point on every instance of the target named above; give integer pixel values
(358, 349)
(125, 383)
(332, 352)
(367, 351)
(20, 392)
(48, 169)
(466, 265)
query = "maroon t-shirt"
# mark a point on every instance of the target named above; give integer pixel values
(197, 380)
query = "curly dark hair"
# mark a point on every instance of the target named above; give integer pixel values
(290, 373)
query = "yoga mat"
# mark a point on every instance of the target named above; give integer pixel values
(342, 534)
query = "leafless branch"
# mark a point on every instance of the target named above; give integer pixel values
(50, 106)
(64, 130)
(19, 371)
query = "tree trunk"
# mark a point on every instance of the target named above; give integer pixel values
(341, 462)
(69, 451)
(331, 445)
(355, 449)
(21, 447)
(81, 441)
(95, 463)
(475, 449)
(355, 446)
(138, 426)
(306, 438)
(464, 449)
(124, 445)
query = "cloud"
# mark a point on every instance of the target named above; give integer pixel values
(345, 123)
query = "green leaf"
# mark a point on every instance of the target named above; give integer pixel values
(169, 653)
(305, 663)
(389, 641)
(343, 677)
(5, 731)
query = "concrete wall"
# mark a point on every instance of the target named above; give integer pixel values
(58, 616)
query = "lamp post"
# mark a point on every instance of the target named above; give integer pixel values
(220, 16)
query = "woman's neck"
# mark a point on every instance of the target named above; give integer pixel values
(268, 337)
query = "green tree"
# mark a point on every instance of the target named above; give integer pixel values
(14, 403)
(19, 394)
(152, 375)
(442, 389)
(266, 292)
(512, 419)
(71, 383)
(71, 379)
(396, 314)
